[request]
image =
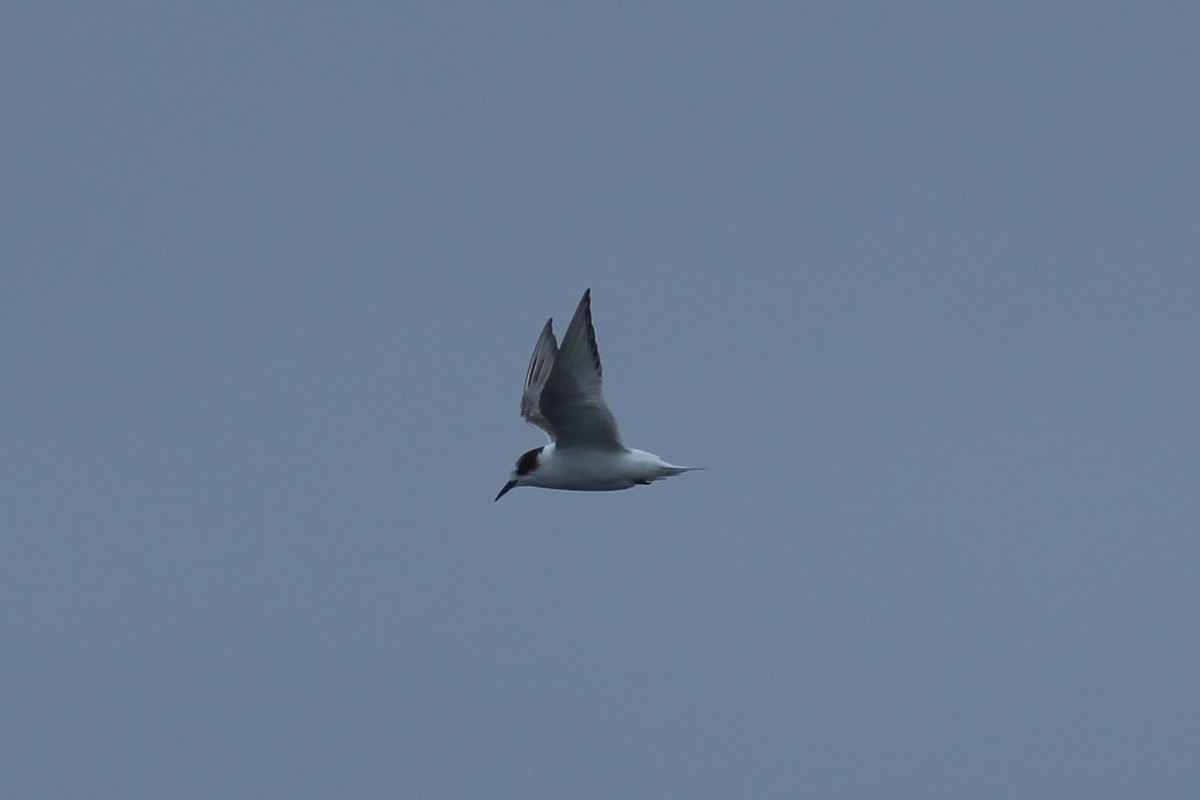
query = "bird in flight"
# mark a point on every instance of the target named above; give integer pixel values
(562, 397)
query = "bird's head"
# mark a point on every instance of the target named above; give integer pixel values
(527, 464)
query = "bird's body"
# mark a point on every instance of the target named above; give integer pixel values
(597, 471)
(562, 397)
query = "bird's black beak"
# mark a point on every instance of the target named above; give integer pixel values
(504, 491)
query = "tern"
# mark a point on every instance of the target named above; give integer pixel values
(562, 397)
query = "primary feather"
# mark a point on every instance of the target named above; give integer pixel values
(563, 387)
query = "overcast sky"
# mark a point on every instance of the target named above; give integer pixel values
(921, 285)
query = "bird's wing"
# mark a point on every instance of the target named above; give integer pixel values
(535, 378)
(571, 400)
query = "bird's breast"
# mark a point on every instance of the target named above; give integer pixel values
(589, 470)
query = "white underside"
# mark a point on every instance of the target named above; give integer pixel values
(598, 470)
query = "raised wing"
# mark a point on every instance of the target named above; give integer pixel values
(571, 400)
(535, 378)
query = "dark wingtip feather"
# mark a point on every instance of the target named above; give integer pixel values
(591, 332)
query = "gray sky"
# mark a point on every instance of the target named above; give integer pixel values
(919, 285)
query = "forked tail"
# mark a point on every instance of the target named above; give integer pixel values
(670, 470)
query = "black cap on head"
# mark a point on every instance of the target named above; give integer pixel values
(527, 463)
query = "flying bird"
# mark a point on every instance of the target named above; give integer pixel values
(562, 397)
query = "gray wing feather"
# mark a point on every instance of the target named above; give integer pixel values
(540, 365)
(571, 399)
